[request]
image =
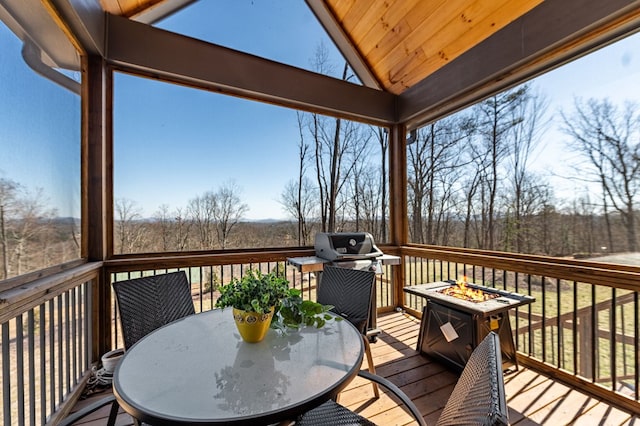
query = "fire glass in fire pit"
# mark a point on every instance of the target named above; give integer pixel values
(462, 291)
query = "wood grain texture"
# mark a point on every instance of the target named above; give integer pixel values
(405, 41)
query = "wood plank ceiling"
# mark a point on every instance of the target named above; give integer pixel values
(404, 41)
(129, 8)
(401, 42)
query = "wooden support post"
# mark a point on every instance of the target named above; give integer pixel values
(398, 224)
(96, 192)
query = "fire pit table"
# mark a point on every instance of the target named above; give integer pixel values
(457, 317)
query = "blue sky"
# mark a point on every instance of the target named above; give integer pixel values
(173, 143)
(203, 140)
(215, 138)
(30, 153)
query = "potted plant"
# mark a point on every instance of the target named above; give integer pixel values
(260, 301)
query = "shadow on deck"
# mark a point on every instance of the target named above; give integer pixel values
(533, 399)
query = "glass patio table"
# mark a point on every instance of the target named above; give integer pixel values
(198, 370)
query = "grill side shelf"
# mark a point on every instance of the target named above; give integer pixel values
(307, 263)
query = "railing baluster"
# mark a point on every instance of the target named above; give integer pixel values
(20, 368)
(544, 317)
(636, 343)
(529, 319)
(575, 328)
(74, 349)
(594, 335)
(613, 365)
(6, 375)
(60, 345)
(32, 365)
(559, 342)
(43, 371)
(67, 341)
(52, 357)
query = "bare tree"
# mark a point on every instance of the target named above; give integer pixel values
(162, 219)
(382, 135)
(298, 200)
(529, 124)
(608, 139)
(300, 206)
(181, 230)
(433, 157)
(201, 211)
(367, 201)
(337, 147)
(33, 221)
(128, 225)
(228, 210)
(496, 117)
(8, 191)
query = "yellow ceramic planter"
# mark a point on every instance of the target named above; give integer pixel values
(251, 325)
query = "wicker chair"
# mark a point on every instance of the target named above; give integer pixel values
(477, 399)
(144, 304)
(148, 303)
(350, 292)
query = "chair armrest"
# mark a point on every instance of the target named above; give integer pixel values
(397, 392)
(74, 417)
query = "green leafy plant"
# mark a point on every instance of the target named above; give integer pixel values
(255, 292)
(259, 292)
(294, 312)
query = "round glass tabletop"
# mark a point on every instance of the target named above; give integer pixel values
(198, 370)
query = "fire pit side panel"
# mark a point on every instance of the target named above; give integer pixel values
(447, 335)
(501, 325)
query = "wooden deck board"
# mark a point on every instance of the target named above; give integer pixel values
(533, 399)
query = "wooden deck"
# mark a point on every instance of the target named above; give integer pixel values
(533, 399)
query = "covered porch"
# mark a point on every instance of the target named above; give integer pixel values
(577, 344)
(573, 365)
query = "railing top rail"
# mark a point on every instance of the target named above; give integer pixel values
(219, 257)
(612, 275)
(19, 299)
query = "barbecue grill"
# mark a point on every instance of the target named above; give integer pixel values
(353, 250)
(453, 325)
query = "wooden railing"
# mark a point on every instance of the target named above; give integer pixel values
(583, 327)
(46, 345)
(207, 272)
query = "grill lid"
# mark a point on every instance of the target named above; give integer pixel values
(335, 246)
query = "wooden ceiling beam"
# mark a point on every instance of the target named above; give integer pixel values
(180, 59)
(343, 42)
(550, 35)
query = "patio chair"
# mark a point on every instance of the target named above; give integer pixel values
(478, 397)
(84, 412)
(148, 303)
(350, 292)
(144, 304)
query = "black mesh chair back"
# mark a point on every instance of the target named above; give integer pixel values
(478, 397)
(349, 291)
(148, 303)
